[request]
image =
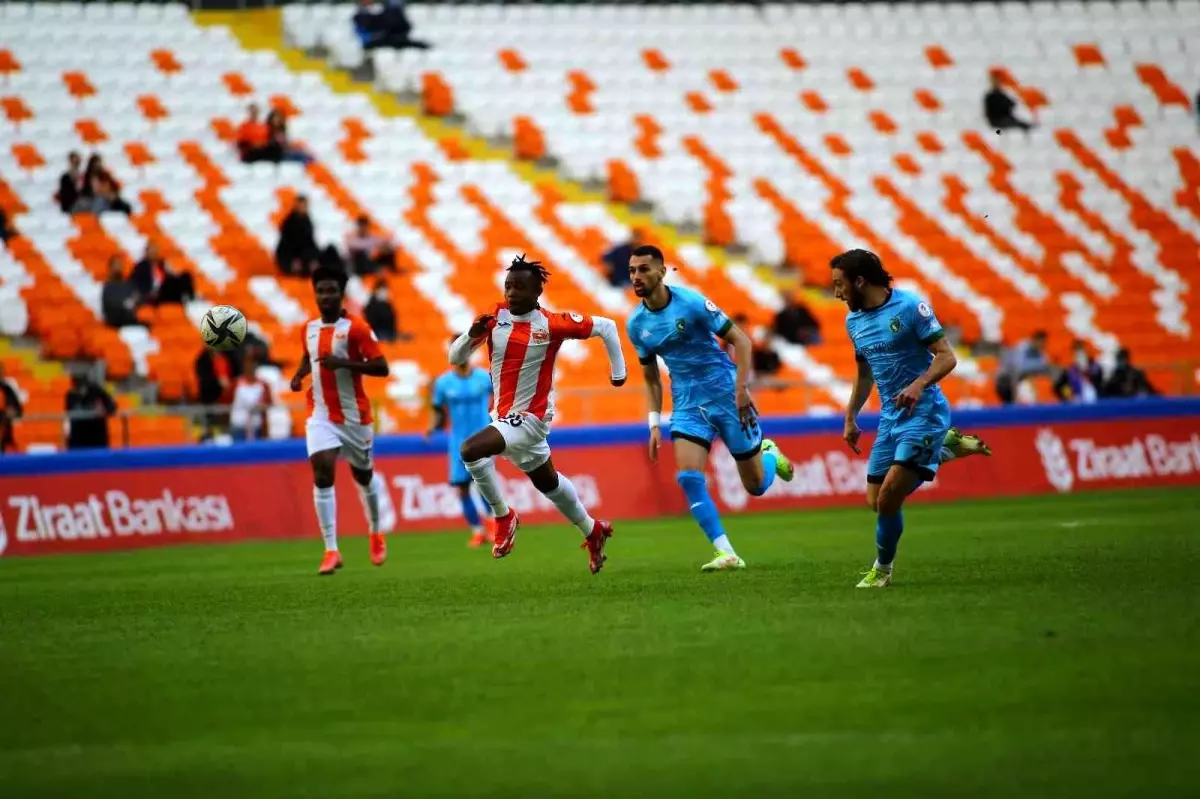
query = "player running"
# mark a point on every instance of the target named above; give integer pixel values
(709, 394)
(523, 341)
(900, 347)
(462, 397)
(339, 350)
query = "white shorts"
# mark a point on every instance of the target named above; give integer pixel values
(354, 440)
(525, 442)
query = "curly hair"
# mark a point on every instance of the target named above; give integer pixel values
(519, 264)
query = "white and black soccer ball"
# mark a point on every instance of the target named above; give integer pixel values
(223, 328)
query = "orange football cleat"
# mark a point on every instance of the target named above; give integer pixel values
(594, 544)
(378, 548)
(478, 540)
(506, 534)
(331, 562)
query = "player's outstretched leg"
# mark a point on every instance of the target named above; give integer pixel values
(471, 514)
(325, 502)
(561, 491)
(888, 500)
(477, 453)
(373, 493)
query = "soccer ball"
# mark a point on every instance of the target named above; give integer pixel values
(223, 328)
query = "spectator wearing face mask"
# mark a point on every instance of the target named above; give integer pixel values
(381, 316)
(1080, 382)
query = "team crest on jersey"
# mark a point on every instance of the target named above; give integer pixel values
(680, 325)
(894, 324)
(539, 336)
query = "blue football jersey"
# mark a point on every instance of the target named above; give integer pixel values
(894, 340)
(683, 333)
(465, 400)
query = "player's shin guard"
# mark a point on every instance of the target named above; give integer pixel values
(768, 464)
(704, 510)
(566, 499)
(888, 529)
(326, 504)
(484, 474)
(371, 496)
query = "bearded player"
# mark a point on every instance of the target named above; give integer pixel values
(339, 350)
(709, 394)
(523, 341)
(900, 347)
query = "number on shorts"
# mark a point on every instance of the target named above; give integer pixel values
(513, 419)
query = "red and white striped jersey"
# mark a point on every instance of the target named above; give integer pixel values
(522, 350)
(337, 395)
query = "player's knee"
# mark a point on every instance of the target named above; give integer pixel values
(873, 502)
(361, 476)
(470, 451)
(889, 501)
(322, 477)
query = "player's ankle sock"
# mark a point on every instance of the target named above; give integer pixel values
(470, 512)
(768, 464)
(888, 529)
(369, 494)
(703, 509)
(947, 455)
(484, 474)
(567, 501)
(326, 504)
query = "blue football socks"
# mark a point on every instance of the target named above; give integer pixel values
(470, 511)
(703, 509)
(768, 464)
(888, 529)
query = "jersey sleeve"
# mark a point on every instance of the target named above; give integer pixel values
(925, 322)
(364, 341)
(645, 355)
(569, 325)
(711, 317)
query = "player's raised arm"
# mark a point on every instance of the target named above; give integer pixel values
(606, 330)
(467, 343)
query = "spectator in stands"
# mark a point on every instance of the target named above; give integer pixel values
(297, 252)
(763, 358)
(7, 231)
(1021, 362)
(367, 252)
(381, 315)
(10, 411)
(1080, 382)
(796, 324)
(252, 398)
(998, 107)
(385, 27)
(100, 191)
(70, 183)
(159, 282)
(1126, 380)
(216, 373)
(119, 298)
(616, 260)
(94, 405)
(254, 139)
(278, 139)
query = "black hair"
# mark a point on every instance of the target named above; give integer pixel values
(648, 250)
(519, 264)
(1039, 334)
(862, 263)
(323, 273)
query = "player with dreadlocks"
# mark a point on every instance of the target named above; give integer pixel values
(522, 342)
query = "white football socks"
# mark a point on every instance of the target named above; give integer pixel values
(721, 543)
(326, 504)
(566, 499)
(484, 474)
(369, 494)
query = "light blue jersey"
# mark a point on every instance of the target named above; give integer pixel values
(465, 401)
(894, 340)
(683, 333)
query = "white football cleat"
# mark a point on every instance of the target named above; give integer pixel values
(724, 561)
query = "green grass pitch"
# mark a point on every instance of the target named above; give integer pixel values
(1037, 647)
